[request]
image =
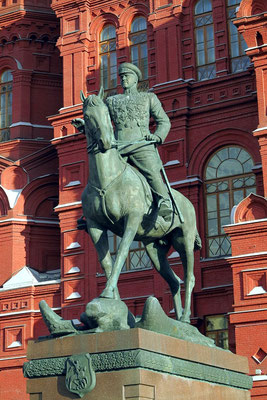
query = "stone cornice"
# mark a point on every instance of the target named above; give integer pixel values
(247, 228)
(26, 292)
(138, 358)
(64, 6)
(12, 14)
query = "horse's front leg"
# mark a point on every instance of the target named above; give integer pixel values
(130, 230)
(100, 239)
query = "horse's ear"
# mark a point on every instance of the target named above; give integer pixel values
(101, 93)
(82, 96)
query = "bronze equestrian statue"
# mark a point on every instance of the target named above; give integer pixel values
(120, 199)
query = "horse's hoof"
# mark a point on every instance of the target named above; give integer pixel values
(108, 294)
(185, 319)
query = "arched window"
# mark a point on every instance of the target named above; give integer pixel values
(6, 104)
(138, 43)
(108, 57)
(204, 37)
(239, 60)
(137, 257)
(228, 179)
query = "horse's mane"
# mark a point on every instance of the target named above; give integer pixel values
(93, 100)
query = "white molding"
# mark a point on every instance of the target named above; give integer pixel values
(216, 287)
(76, 203)
(259, 378)
(257, 290)
(66, 136)
(73, 183)
(260, 129)
(261, 253)
(168, 82)
(22, 123)
(172, 162)
(26, 312)
(146, 296)
(73, 245)
(189, 180)
(12, 358)
(256, 47)
(37, 221)
(27, 277)
(247, 222)
(247, 311)
(44, 283)
(14, 344)
(18, 63)
(74, 295)
(68, 107)
(73, 270)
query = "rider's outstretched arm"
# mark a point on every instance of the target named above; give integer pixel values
(79, 124)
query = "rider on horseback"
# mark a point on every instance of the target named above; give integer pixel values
(130, 113)
(114, 198)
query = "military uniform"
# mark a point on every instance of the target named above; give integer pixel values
(131, 114)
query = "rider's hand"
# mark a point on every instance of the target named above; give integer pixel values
(79, 124)
(153, 138)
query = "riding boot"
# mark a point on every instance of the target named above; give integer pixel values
(165, 209)
(147, 161)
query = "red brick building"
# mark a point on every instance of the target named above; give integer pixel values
(194, 59)
(31, 87)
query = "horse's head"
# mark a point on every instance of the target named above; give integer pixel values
(98, 125)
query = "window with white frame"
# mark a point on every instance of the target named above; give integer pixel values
(206, 41)
(228, 180)
(108, 57)
(138, 45)
(137, 257)
(6, 80)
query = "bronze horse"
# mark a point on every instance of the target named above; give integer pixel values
(117, 198)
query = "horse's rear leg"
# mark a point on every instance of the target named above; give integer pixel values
(188, 261)
(158, 255)
(185, 247)
(100, 239)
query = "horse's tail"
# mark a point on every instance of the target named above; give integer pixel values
(197, 244)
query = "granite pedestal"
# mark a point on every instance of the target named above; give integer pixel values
(137, 364)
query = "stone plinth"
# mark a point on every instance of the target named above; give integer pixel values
(137, 364)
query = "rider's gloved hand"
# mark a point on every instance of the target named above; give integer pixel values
(153, 138)
(79, 124)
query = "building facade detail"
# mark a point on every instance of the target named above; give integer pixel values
(194, 58)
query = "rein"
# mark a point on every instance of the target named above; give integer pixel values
(102, 192)
(93, 148)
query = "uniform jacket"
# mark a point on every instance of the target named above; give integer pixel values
(131, 115)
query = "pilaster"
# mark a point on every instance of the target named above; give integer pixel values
(73, 44)
(248, 263)
(254, 28)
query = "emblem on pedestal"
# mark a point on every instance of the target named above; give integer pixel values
(80, 375)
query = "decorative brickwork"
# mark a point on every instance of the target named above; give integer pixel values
(44, 165)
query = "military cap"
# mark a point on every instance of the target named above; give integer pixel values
(128, 67)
